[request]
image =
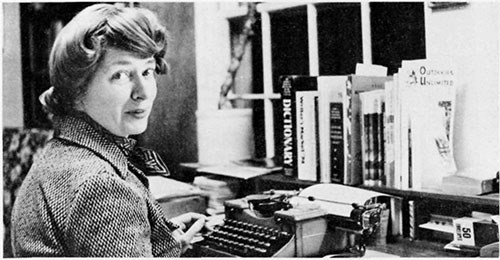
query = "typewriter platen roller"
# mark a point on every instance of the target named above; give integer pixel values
(290, 224)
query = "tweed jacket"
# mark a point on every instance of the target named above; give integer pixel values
(81, 199)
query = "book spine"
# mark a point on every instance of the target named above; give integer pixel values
(405, 132)
(288, 110)
(397, 135)
(410, 159)
(337, 142)
(372, 136)
(367, 150)
(381, 143)
(306, 134)
(373, 142)
(379, 138)
(323, 124)
(366, 138)
(316, 135)
(350, 135)
(389, 135)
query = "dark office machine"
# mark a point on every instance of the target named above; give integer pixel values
(291, 224)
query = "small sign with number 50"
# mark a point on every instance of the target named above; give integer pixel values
(464, 231)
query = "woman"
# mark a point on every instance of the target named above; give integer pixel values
(88, 194)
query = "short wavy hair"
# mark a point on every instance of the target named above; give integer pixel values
(81, 45)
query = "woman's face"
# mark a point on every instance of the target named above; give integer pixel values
(121, 93)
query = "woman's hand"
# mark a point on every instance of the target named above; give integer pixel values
(190, 224)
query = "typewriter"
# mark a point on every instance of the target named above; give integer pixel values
(304, 223)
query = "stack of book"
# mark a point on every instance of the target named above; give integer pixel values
(218, 189)
(391, 131)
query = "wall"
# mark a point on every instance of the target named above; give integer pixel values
(172, 125)
(213, 47)
(470, 36)
(12, 97)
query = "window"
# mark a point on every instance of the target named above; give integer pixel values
(398, 32)
(322, 39)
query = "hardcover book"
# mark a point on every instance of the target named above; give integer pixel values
(331, 128)
(306, 132)
(372, 103)
(392, 179)
(299, 99)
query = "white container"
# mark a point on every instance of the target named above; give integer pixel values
(224, 135)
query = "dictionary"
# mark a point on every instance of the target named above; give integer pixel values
(299, 97)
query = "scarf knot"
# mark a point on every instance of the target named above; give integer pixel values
(145, 159)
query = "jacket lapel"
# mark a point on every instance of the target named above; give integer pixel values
(80, 132)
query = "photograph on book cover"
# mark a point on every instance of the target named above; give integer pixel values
(165, 127)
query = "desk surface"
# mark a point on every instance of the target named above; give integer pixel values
(405, 247)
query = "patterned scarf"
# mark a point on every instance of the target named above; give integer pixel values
(145, 159)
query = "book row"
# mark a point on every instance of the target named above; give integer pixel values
(394, 131)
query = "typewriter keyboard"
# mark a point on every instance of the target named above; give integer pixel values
(245, 239)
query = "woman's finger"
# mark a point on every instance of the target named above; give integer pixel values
(194, 229)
